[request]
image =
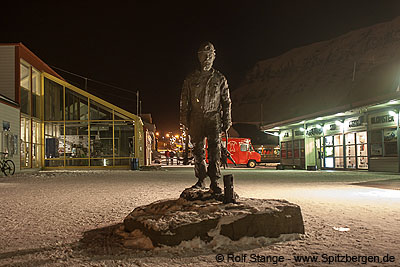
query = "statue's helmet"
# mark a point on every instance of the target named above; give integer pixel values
(206, 47)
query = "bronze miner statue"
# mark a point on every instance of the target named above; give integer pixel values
(205, 111)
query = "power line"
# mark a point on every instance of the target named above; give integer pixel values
(88, 79)
(102, 92)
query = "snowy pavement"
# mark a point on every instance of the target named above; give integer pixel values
(68, 218)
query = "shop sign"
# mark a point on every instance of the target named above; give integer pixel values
(382, 119)
(298, 133)
(286, 134)
(314, 132)
(355, 123)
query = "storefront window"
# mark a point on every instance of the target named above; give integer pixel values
(329, 162)
(339, 163)
(76, 140)
(124, 136)
(338, 140)
(361, 137)
(99, 112)
(350, 138)
(36, 144)
(91, 134)
(283, 150)
(362, 150)
(351, 151)
(329, 141)
(376, 143)
(53, 101)
(118, 116)
(296, 149)
(328, 151)
(390, 141)
(302, 151)
(36, 93)
(390, 135)
(25, 142)
(101, 140)
(338, 151)
(384, 142)
(289, 149)
(351, 162)
(76, 106)
(356, 150)
(25, 75)
(54, 141)
(362, 162)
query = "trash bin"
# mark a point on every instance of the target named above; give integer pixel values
(134, 164)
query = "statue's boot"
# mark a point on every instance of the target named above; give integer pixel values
(199, 185)
(214, 187)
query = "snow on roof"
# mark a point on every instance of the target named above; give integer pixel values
(358, 68)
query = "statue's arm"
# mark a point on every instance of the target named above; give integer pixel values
(226, 106)
(184, 105)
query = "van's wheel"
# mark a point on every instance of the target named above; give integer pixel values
(251, 164)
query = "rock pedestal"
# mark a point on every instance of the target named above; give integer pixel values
(169, 222)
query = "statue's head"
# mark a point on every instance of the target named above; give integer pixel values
(206, 55)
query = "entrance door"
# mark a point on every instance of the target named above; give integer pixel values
(313, 153)
(319, 152)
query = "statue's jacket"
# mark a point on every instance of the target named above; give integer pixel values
(205, 94)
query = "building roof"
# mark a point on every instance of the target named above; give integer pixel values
(8, 101)
(357, 69)
(31, 58)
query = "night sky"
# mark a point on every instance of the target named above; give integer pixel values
(151, 46)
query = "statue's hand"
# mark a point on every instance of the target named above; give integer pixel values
(225, 127)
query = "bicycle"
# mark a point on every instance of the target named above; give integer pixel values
(7, 166)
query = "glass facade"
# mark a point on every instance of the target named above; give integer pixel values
(63, 126)
(384, 142)
(84, 131)
(352, 154)
(31, 125)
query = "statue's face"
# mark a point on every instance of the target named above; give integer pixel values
(206, 59)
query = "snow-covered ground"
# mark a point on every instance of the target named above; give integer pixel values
(69, 218)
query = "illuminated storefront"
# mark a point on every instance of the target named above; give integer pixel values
(63, 126)
(81, 130)
(364, 138)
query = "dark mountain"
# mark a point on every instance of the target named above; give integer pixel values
(357, 68)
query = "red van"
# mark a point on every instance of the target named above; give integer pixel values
(242, 152)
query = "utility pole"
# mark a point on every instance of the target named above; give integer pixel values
(137, 102)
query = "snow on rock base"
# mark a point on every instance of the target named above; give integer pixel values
(170, 222)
